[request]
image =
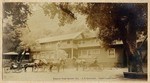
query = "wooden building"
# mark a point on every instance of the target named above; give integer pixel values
(85, 47)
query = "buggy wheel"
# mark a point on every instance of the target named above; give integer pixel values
(7, 70)
(17, 71)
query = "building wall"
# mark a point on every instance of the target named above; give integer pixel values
(61, 44)
(107, 57)
(88, 49)
(89, 42)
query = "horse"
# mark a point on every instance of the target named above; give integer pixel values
(43, 64)
(58, 63)
(94, 65)
(79, 63)
(85, 64)
(36, 64)
(32, 65)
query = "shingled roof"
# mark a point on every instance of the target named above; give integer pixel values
(59, 38)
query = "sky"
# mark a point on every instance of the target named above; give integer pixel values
(41, 25)
(38, 20)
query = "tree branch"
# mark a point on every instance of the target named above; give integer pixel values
(67, 11)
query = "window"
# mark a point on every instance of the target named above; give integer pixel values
(90, 52)
(94, 52)
(84, 52)
(111, 53)
(68, 42)
(82, 42)
(49, 44)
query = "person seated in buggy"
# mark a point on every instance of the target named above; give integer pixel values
(13, 66)
(95, 63)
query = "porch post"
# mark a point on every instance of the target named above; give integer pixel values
(72, 49)
(71, 53)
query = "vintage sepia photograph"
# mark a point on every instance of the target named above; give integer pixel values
(74, 41)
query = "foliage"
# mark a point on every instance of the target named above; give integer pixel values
(18, 14)
(18, 11)
(54, 9)
(101, 15)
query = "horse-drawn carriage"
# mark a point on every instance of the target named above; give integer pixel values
(16, 65)
(87, 63)
(56, 60)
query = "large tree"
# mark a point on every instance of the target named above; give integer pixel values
(14, 17)
(114, 20)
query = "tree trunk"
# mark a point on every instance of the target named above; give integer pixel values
(128, 36)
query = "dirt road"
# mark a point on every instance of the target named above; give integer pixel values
(108, 74)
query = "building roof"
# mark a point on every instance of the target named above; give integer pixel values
(13, 53)
(74, 36)
(59, 38)
(119, 42)
(10, 53)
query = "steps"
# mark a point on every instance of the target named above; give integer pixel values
(135, 75)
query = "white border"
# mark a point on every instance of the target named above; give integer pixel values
(103, 1)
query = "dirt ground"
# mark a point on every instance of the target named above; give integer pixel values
(106, 74)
